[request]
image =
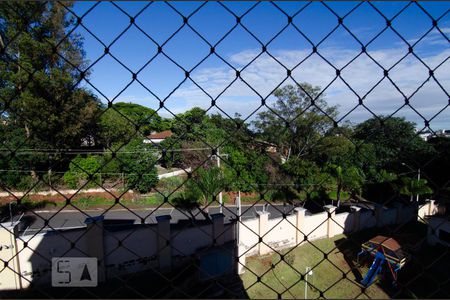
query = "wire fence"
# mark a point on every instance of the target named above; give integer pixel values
(307, 145)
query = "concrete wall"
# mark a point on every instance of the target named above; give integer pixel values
(344, 223)
(119, 251)
(38, 251)
(326, 224)
(367, 219)
(186, 241)
(429, 209)
(163, 246)
(8, 250)
(281, 232)
(174, 173)
(131, 250)
(436, 228)
(316, 226)
(248, 237)
(388, 216)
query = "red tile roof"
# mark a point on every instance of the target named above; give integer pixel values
(160, 135)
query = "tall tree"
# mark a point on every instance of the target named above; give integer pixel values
(298, 120)
(137, 161)
(394, 140)
(146, 118)
(39, 70)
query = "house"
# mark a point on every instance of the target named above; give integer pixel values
(157, 137)
(425, 134)
(428, 134)
(269, 147)
(444, 133)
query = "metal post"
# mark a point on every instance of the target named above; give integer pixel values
(239, 208)
(306, 283)
(10, 212)
(308, 272)
(418, 180)
(220, 194)
(50, 178)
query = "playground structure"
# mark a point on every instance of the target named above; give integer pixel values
(386, 252)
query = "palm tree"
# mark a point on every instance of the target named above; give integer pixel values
(209, 183)
(350, 179)
(413, 187)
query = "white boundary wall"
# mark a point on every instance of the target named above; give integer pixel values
(143, 247)
(318, 226)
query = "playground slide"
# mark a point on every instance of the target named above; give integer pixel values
(374, 270)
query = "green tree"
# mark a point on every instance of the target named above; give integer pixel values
(394, 140)
(189, 199)
(137, 162)
(210, 182)
(347, 179)
(115, 129)
(40, 67)
(82, 169)
(247, 169)
(146, 118)
(49, 106)
(412, 187)
(307, 177)
(124, 121)
(437, 166)
(190, 125)
(293, 123)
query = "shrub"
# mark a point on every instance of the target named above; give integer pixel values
(82, 168)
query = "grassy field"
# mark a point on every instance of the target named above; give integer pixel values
(279, 279)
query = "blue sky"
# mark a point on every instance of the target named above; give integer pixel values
(213, 20)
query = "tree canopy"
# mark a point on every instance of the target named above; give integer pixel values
(294, 148)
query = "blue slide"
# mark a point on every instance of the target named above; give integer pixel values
(374, 269)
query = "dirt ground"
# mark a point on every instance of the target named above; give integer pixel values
(60, 198)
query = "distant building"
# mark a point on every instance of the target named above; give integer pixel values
(157, 137)
(425, 134)
(428, 134)
(444, 133)
(269, 147)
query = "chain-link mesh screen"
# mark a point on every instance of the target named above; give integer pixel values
(224, 149)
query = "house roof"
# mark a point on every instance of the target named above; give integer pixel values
(160, 135)
(388, 243)
(390, 246)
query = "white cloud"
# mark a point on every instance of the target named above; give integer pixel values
(264, 74)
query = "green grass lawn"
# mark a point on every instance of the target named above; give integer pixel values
(281, 278)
